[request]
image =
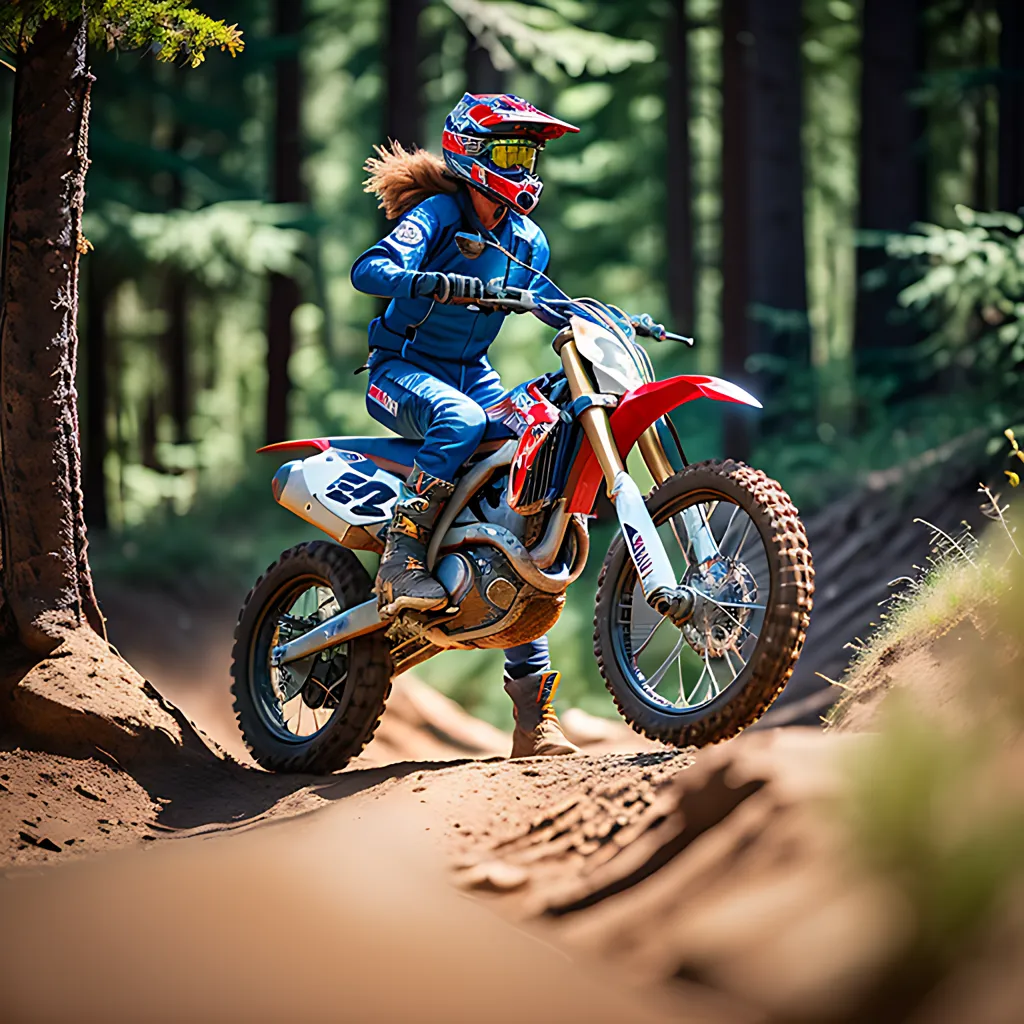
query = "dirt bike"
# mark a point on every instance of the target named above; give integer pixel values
(703, 600)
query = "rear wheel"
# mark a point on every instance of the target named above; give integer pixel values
(316, 714)
(718, 674)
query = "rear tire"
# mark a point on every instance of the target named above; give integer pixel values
(786, 617)
(367, 682)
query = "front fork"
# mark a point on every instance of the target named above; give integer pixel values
(663, 592)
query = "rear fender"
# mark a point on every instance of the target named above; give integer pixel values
(636, 411)
(339, 492)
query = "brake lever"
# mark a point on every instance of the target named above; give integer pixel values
(499, 296)
(668, 336)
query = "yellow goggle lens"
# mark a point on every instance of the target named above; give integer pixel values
(507, 155)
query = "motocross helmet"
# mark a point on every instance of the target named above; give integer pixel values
(492, 143)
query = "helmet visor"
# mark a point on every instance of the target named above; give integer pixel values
(508, 154)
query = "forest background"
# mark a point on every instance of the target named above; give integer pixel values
(810, 187)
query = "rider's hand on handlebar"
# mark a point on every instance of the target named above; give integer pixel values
(646, 327)
(450, 287)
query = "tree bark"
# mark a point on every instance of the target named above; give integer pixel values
(679, 172)
(735, 214)
(403, 67)
(284, 292)
(778, 265)
(892, 185)
(1011, 105)
(97, 397)
(46, 581)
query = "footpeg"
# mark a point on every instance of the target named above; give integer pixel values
(676, 603)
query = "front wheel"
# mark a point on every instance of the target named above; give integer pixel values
(316, 714)
(735, 538)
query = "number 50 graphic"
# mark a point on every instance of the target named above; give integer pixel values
(371, 495)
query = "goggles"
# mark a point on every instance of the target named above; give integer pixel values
(508, 154)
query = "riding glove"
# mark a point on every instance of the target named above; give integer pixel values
(448, 287)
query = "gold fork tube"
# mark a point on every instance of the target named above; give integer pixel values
(654, 455)
(594, 420)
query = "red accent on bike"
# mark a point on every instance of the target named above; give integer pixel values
(636, 411)
(321, 444)
(538, 419)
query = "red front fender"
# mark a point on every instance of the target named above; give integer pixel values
(636, 411)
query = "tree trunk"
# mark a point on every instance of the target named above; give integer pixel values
(482, 77)
(403, 78)
(735, 214)
(679, 172)
(285, 294)
(176, 350)
(177, 355)
(892, 184)
(96, 394)
(46, 582)
(1011, 105)
(778, 265)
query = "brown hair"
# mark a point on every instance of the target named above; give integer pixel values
(400, 178)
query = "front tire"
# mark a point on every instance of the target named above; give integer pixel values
(336, 697)
(760, 626)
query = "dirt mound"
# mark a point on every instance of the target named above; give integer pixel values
(329, 918)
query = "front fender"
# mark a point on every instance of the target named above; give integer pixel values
(636, 411)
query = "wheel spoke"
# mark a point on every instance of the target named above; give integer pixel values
(647, 639)
(653, 681)
(730, 615)
(711, 671)
(743, 540)
(728, 525)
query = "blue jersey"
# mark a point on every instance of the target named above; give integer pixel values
(421, 330)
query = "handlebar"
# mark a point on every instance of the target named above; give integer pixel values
(521, 300)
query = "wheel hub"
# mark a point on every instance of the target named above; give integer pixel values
(713, 630)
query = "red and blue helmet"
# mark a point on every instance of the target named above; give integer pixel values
(492, 143)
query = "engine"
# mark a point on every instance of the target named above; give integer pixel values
(496, 607)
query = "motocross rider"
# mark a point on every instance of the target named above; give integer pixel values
(429, 377)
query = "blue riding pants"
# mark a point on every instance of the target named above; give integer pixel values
(443, 406)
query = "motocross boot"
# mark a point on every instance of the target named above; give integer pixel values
(402, 579)
(538, 732)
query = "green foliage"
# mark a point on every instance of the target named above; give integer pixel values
(970, 291)
(934, 801)
(172, 29)
(548, 37)
(220, 246)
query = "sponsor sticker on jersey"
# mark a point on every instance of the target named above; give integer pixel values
(408, 234)
(641, 556)
(382, 398)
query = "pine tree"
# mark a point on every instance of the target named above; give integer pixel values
(45, 581)
(891, 173)
(678, 171)
(285, 294)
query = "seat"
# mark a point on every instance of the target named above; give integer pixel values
(393, 454)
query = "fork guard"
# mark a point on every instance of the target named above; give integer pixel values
(636, 411)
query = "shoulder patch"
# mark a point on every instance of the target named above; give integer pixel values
(408, 234)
